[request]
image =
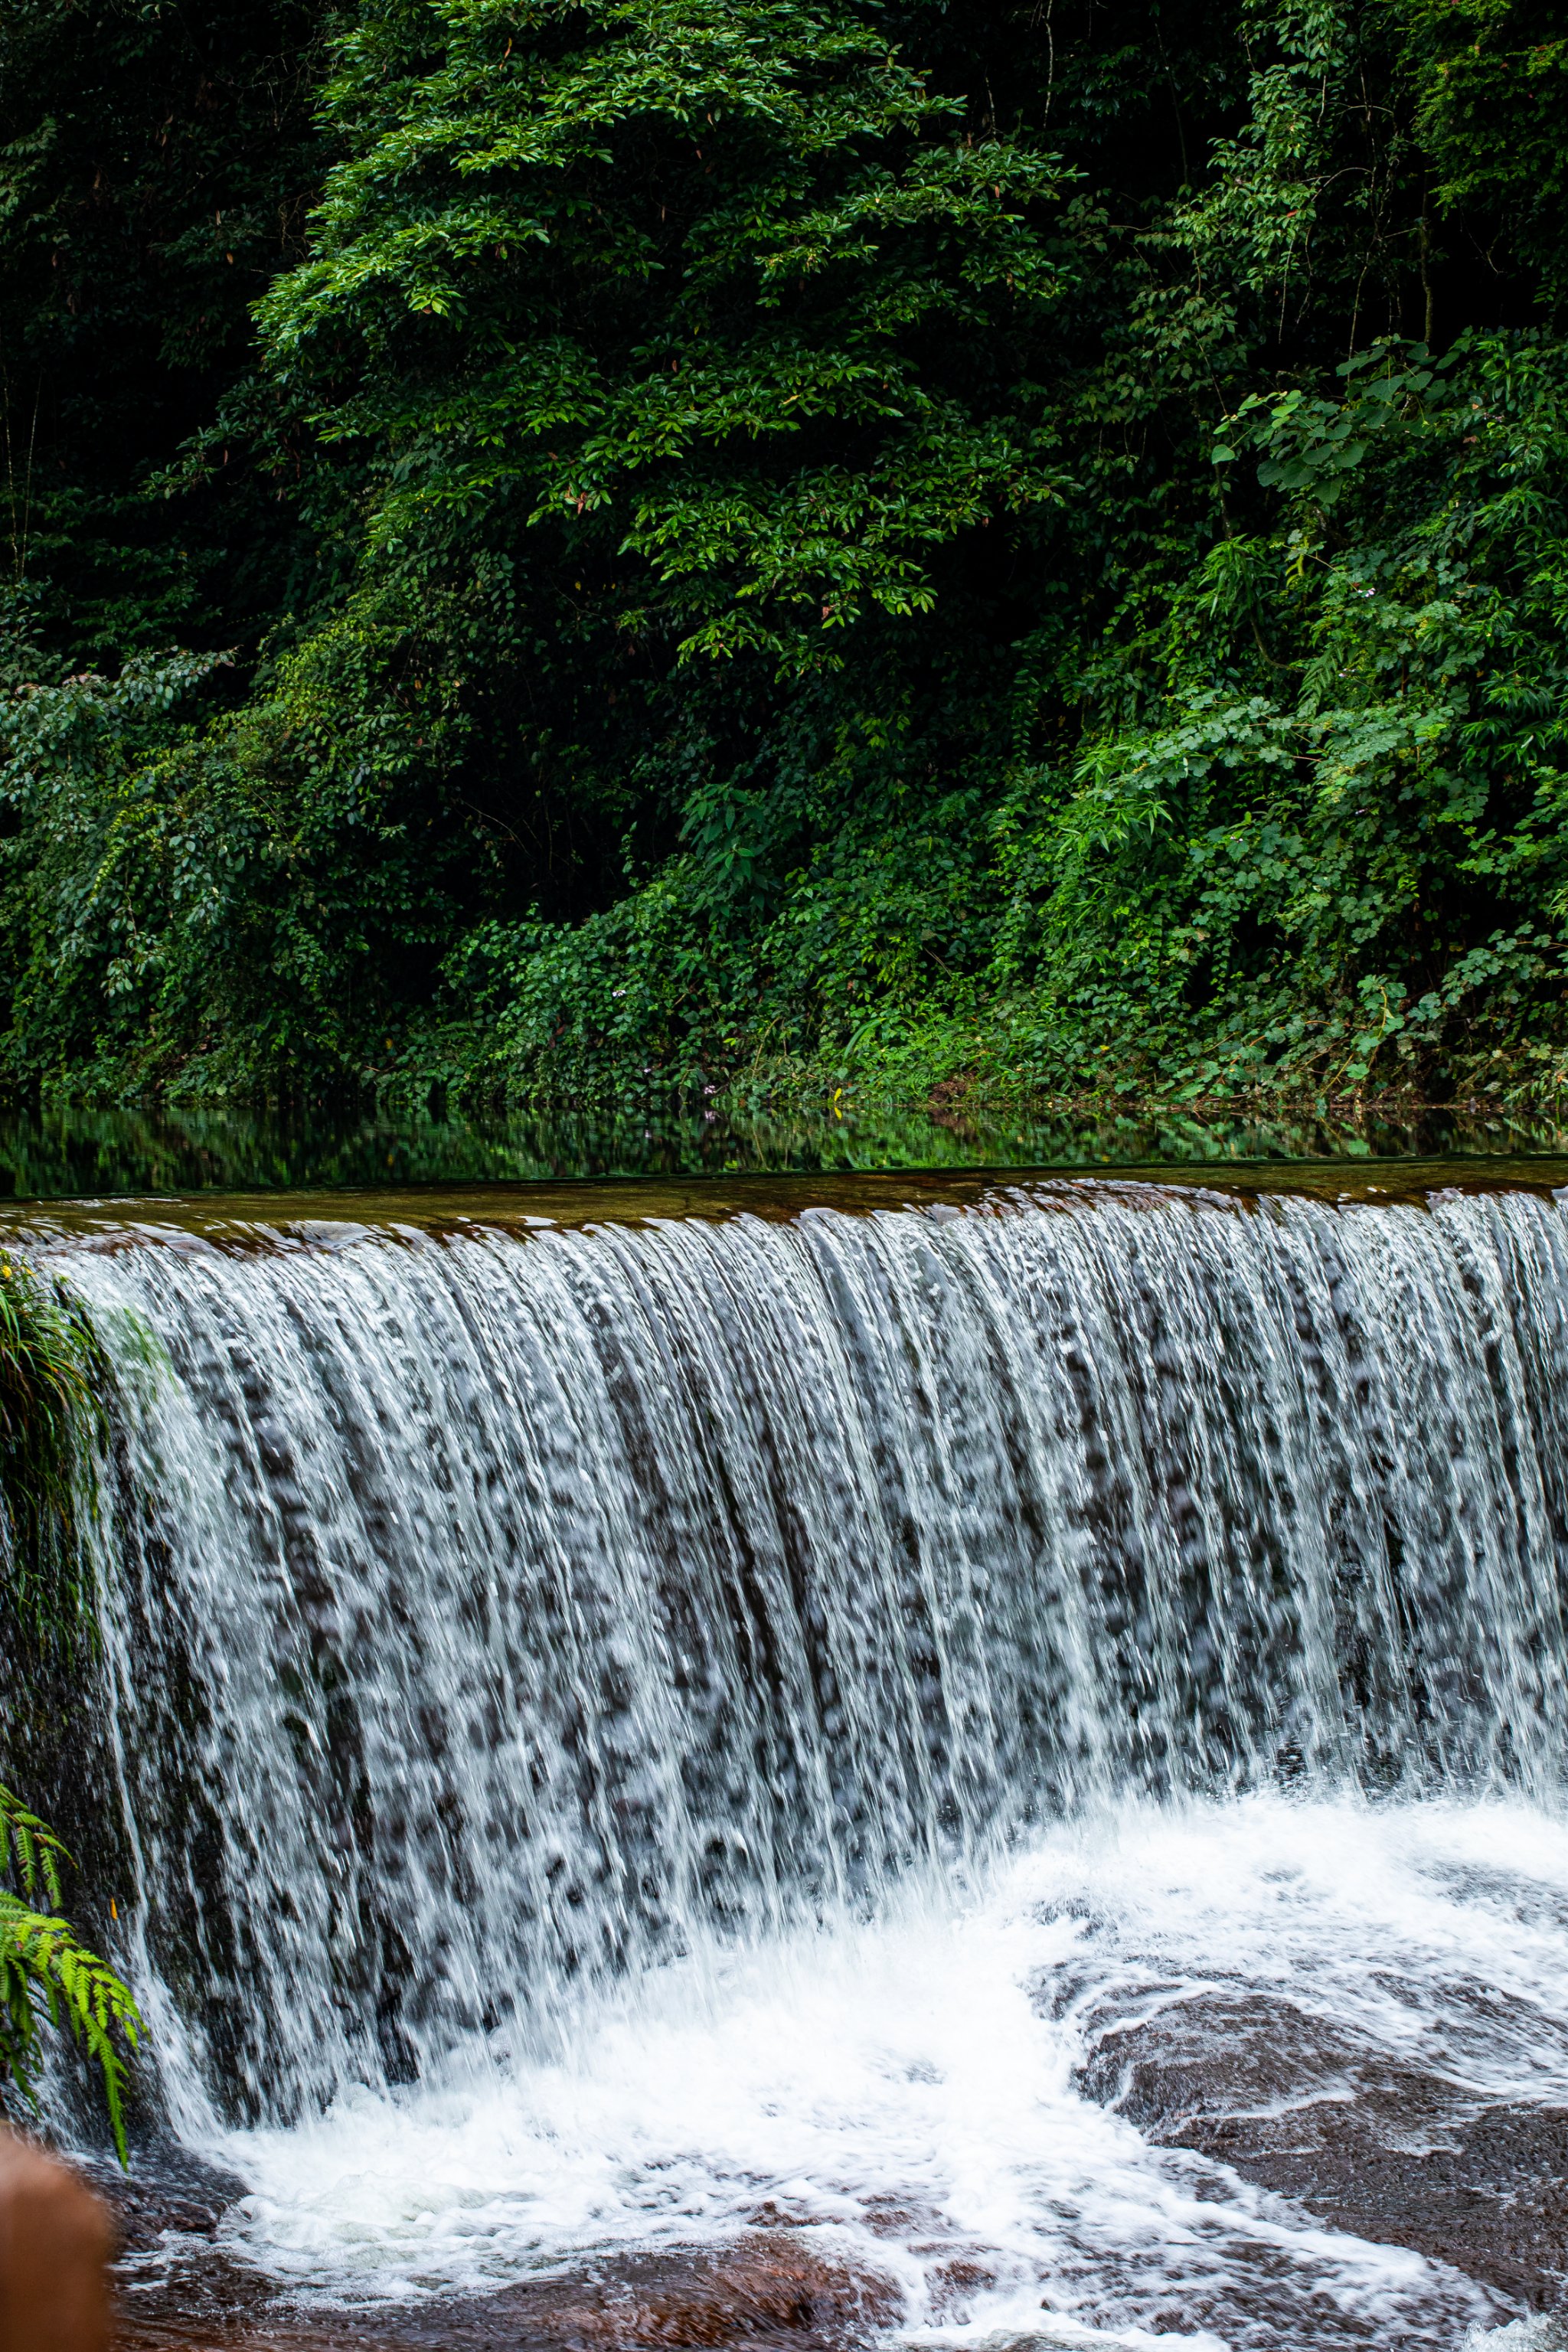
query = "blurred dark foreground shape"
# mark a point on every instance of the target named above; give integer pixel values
(55, 2242)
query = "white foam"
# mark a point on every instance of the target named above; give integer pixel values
(901, 2086)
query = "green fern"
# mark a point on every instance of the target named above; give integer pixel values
(29, 1849)
(47, 1970)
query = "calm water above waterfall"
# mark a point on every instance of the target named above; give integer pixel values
(979, 1735)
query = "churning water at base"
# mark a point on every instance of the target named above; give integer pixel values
(909, 2089)
(635, 1733)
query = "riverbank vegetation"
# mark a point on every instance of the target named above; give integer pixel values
(581, 550)
(48, 1420)
(52, 1383)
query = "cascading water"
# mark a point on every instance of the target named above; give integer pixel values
(554, 1669)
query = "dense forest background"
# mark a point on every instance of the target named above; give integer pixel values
(761, 545)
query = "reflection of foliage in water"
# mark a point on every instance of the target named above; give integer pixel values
(66, 1152)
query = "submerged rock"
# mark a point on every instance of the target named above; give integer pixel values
(1396, 2154)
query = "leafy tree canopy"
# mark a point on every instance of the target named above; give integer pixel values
(771, 541)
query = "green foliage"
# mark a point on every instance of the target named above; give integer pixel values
(46, 1972)
(156, 166)
(692, 285)
(1490, 84)
(813, 541)
(1341, 817)
(49, 1367)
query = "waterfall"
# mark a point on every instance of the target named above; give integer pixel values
(492, 1614)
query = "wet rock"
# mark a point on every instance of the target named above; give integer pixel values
(766, 2292)
(169, 2189)
(1389, 2152)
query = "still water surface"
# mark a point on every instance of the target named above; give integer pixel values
(64, 1152)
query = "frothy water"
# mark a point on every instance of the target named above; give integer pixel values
(911, 2087)
(634, 1734)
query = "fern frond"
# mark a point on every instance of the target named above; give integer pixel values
(43, 1962)
(30, 1847)
(46, 1969)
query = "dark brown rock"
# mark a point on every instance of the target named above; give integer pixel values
(1392, 2153)
(767, 2291)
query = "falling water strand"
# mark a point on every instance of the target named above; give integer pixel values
(495, 1613)
(505, 1625)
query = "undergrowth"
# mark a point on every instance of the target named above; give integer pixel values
(50, 1385)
